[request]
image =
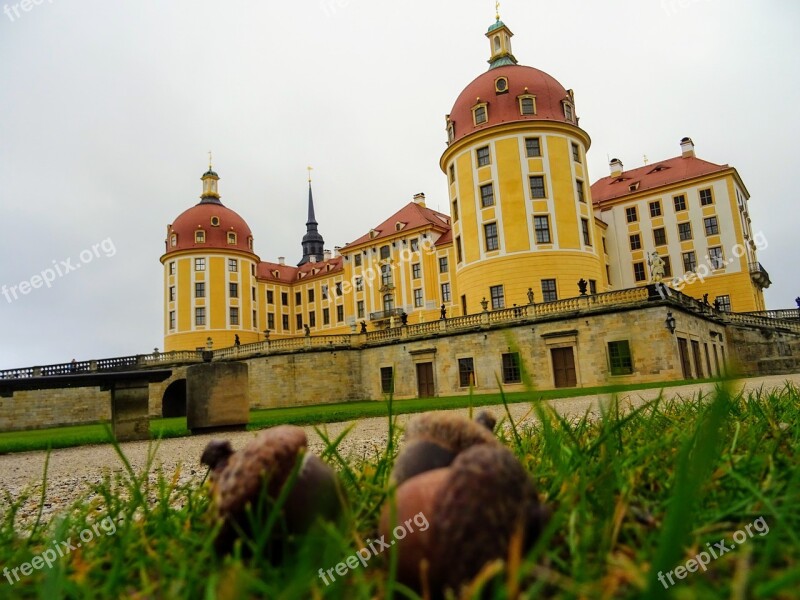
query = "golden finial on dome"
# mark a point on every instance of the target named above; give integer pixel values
(497, 10)
(209, 161)
(309, 173)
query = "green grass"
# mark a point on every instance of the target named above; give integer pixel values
(78, 435)
(632, 493)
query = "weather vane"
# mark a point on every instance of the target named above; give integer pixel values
(209, 160)
(497, 10)
(309, 173)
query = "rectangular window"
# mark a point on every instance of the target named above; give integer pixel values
(387, 380)
(635, 241)
(360, 309)
(255, 319)
(511, 371)
(587, 238)
(541, 227)
(416, 271)
(172, 268)
(285, 322)
(284, 298)
(340, 313)
(172, 319)
(660, 236)
(253, 294)
(466, 372)
(200, 289)
(172, 293)
(549, 293)
(455, 210)
(270, 297)
(199, 264)
(298, 298)
(532, 147)
(326, 316)
(324, 288)
(386, 275)
(706, 198)
(638, 271)
(576, 152)
(592, 286)
(311, 295)
(445, 292)
(443, 267)
(630, 214)
(712, 226)
(233, 290)
(270, 321)
(724, 303)
(579, 190)
(527, 106)
(490, 233)
(716, 258)
(234, 314)
(487, 195)
(537, 186)
(357, 259)
(480, 115)
(689, 261)
(418, 302)
(359, 284)
(200, 315)
(685, 231)
(338, 288)
(298, 322)
(312, 318)
(619, 358)
(452, 171)
(679, 202)
(459, 252)
(233, 265)
(655, 208)
(482, 155)
(415, 245)
(498, 297)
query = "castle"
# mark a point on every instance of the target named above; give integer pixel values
(525, 226)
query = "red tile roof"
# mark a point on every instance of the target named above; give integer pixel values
(652, 176)
(290, 274)
(412, 215)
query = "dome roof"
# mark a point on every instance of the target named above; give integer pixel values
(504, 107)
(216, 220)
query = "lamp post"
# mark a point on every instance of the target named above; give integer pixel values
(670, 322)
(484, 304)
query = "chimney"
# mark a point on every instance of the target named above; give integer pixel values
(327, 254)
(419, 199)
(336, 251)
(687, 147)
(616, 167)
(281, 260)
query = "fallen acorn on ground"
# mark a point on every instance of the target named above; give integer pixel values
(248, 484)
(473, 491)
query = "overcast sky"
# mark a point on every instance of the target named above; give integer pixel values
(108, 110)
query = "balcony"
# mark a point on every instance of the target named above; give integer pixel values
(385, 314)
(759, 275)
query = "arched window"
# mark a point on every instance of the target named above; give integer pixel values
(385, 252)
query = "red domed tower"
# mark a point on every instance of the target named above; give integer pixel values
(518, 186)
(209, 276)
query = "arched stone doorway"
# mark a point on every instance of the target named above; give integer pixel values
(173, 404)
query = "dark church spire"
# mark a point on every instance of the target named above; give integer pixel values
(313, 244)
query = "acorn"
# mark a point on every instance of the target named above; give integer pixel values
(246, 484)
(472, 509)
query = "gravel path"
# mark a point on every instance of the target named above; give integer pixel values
(72, 471)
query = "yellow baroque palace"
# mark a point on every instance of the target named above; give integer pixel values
(525, 225)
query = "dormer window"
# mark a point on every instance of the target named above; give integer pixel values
(199, 237)
(231, 237)
(480, 113)
(634, 186)
(527, 104)
(399, 226)
(215, 221)
(451, 131)
(569, 112)
(373, 233)
(501, 85)
(173, 240)
(250, 242)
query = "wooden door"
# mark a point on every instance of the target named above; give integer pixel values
(564, 367)
(425, 380)
(698, 362)
(686, 365)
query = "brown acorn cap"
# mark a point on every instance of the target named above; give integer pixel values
(449, 430)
